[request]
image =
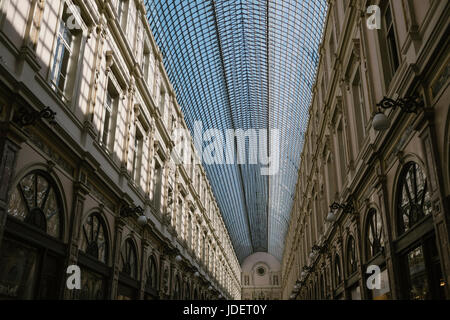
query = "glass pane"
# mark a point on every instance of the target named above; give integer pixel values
(92, 286)
(51, 211)
(101, 243)
(384, 292)
(356, 293)
(417, 275)
(17, 206)
(42, 188)
(18, 268)
(126, 293)
(27, 185)
(49, 286)
(414, 199)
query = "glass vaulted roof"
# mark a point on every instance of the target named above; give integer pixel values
(238, 64)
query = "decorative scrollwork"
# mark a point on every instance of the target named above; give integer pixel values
(27, 117)
(346, 208)
(408, 104)
(127, 211)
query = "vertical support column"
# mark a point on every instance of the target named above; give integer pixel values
(34, 24)
(27, 51)
(328, 277)
(435, 184)
(120, 223)
(356, 226)
(175, 200)
(89, 125)
(79, 194)
(145, 247)
(10, 140)
(128, 129)
(151, 161)
(162, 284)
(382, 193)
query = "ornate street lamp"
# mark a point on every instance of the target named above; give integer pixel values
(409, 105)
(346, 208)
(142, 220)
(305, 271)
(127, 211)
(319, 249)
(27, 117)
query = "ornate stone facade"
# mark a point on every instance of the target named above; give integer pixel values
(71, 192)
(391, 187)
(261, 277)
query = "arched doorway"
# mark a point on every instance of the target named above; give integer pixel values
(421, 275)
(31, 257)
(93, 258)
(128, 279)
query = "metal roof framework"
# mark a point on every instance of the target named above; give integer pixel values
(238, 64)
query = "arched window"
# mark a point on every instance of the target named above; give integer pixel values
(36, 201)
(151, 273)
(94, 239)
(414, 200)
(374, 234)
(129, 259)
(337, 270)
(351, 256)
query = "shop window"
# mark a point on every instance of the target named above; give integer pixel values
(351, 256)
(337, 270)
(414, 200)
(94, 241)
(152, 273)
(110, 117)
(66, 56)
(129, 259)
(92, 285)
(36, 201)
(374, 234)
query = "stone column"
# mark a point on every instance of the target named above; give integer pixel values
(128, 129)
(93, 93)
(145, 248)
(11, 137)
(79, 195)
(356, 226)
(441, 217)
(120, 223)
(27, 51)
(390, 257)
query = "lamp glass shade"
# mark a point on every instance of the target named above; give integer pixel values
(380, 122)
(331, 217)
(142, 220)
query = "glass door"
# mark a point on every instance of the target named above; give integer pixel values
(423, 276)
